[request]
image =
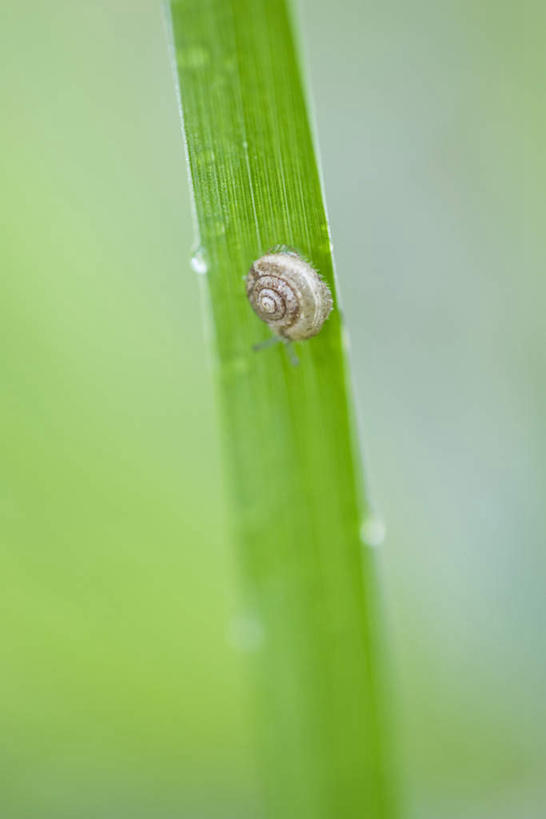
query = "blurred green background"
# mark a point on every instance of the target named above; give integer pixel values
(122, 683)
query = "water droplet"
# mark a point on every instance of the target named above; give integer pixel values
(199, 262)
(245, 633)
(230, 63)
(238, 365)
(193, 57)
(206, 157)
(372, 531)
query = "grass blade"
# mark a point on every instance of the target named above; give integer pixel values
(293, 468)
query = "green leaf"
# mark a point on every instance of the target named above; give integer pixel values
(294, 477)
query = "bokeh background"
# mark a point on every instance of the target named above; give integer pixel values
(122, 686)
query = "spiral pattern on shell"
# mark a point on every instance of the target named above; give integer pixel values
(289, 295)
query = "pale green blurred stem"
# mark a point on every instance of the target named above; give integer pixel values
(293, 467)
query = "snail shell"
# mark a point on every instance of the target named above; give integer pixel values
(289, 295)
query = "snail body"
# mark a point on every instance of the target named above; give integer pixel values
(289, 295)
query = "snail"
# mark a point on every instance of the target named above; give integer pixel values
(289, 295)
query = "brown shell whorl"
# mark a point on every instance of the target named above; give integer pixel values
(289, 295)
